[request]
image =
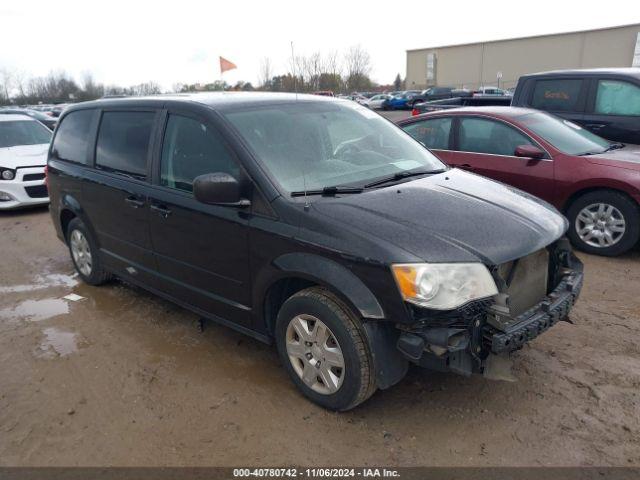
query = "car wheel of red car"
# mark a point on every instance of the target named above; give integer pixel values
(604, 222)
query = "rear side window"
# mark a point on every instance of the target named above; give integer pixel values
(488, 136)
(72, 137)
(617, 98)
(432, 133)
(191, 149)
(123, 142)
(557, 95)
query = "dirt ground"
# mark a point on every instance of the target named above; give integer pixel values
(123, 378)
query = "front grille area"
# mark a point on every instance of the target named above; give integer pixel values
(526, 280)
(37, 191)
(30, 177)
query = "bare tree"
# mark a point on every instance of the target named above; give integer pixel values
(147, 88)
(6, 83)
(357, 68)
(90, 89)
(265, 74)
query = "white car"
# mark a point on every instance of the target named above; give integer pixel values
(378, 102)
(24, 143)
(488, 91)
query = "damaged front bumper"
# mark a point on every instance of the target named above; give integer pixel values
(462, 340)
(552, 309)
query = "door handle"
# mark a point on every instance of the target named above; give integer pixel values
(162, 210)
(465, 166)
(596, 126)
(134, 202)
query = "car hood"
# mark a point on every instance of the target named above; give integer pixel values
(627, 157)
(455, 216)
(24, 156)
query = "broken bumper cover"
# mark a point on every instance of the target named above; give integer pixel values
(539, 318)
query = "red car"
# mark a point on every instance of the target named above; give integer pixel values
(594, 182)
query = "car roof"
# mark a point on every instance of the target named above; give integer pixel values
(631, 72)
(12, 117)
(504, 112)
(216, 100)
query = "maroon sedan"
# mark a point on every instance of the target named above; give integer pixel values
(595, 183)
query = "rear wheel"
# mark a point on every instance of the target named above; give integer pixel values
(324, 349)
(604, 222)
(84, 254)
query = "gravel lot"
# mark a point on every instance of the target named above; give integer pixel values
(123, 378)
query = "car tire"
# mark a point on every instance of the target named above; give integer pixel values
(344, 338)
(604, 222)
(85, 254)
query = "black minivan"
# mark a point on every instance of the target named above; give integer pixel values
(605, 101)
(314, 223)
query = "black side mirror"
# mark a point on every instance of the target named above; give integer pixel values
(218, 189)
(529, 151)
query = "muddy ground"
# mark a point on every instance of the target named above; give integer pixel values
(123, 378)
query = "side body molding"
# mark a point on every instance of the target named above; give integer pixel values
(332, 274)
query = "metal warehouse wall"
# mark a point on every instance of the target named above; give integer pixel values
(472, 65)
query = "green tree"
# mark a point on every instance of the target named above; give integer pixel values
(397, 83)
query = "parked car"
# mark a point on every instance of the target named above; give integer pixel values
(595, 182)
(313, 223)
(56, 110)
(399, 101)
(356, 98)
(437, 93)
(324, 93)
(488, 91)
(379, 102)
(23, 154)
(46, 120)
(457, 102)
(605, 101)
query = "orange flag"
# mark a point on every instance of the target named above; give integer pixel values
(226, 65)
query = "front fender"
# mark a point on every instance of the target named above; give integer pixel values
(333, 275)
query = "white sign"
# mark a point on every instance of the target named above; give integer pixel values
(636, 53)
(499, 75)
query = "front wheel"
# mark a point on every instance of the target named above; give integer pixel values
(604, 222)
(324, 350)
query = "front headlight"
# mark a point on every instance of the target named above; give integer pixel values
(443, 286)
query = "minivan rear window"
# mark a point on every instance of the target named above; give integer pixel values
(559, 95)
(71, 139)
(123, 142)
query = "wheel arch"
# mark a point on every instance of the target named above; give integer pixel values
(297, 271)
(590, 189)
(71, 208)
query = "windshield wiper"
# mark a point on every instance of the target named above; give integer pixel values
(614, 146)
(586, 154)
(327, 191)
(400, 176)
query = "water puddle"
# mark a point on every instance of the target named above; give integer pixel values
(36, 310)
(41, 282)
(58, 343)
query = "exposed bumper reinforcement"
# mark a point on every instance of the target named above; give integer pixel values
(539, 318)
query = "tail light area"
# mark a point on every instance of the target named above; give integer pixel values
(415, 112)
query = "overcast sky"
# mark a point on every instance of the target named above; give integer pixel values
(129, 42)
